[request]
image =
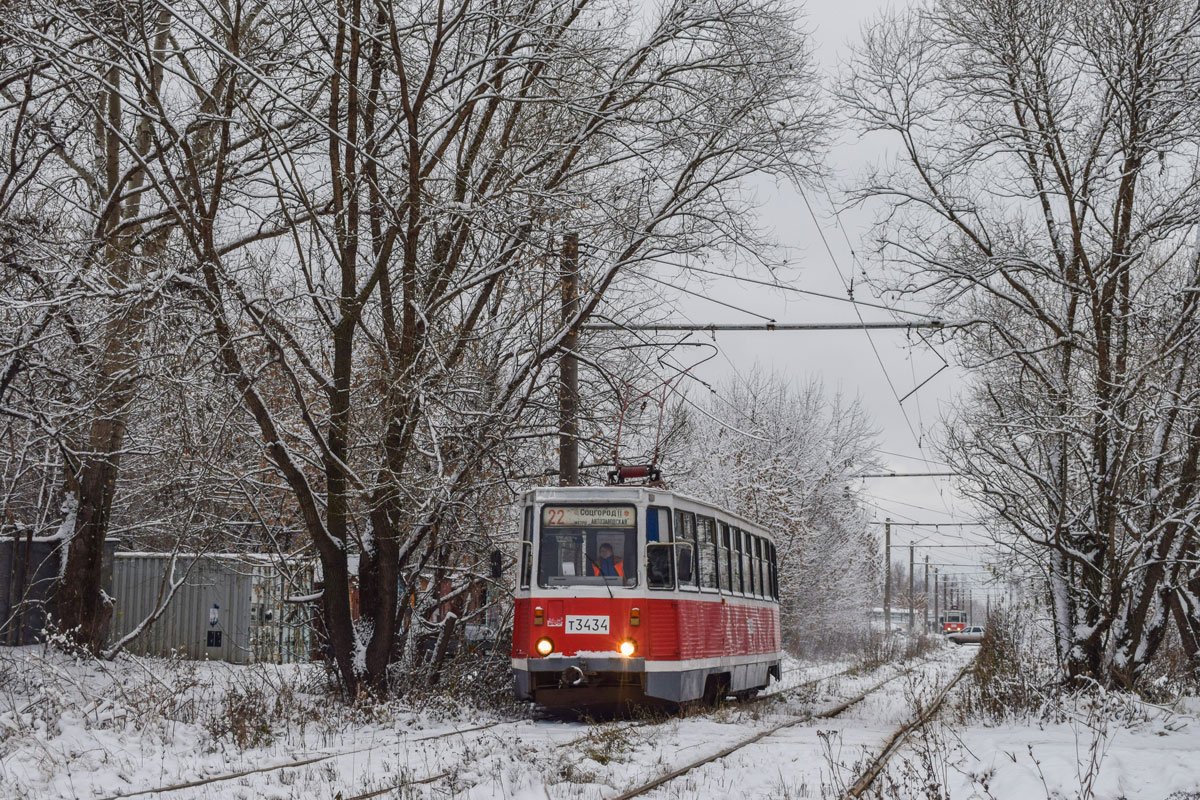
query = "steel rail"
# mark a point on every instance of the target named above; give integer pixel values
(648, 722)
(733, 748)
(642, 723)
(893, 744)
(228, 776)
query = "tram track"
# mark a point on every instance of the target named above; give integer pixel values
(622, 729)
(869, 774)
(898, 738)
(228, 776)
(642, 723)
(591, 734)
(326, 756)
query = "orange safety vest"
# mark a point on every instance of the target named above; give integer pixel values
(617, 565)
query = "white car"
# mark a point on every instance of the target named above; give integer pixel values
(966, 636)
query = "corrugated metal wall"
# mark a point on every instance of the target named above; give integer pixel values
(28, 570)
(230, 608)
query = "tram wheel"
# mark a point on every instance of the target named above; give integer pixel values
(716, 687)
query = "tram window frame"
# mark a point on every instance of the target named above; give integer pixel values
(774, 573)
(751, 567)
(760, 565)
(586, 539)
(768, 563)
(685, 532)
(664, 544)
(748, 563)
(708, 552)
(755, 574)
(765, 566)
(527, 549)
(736, 559)
(723, 559)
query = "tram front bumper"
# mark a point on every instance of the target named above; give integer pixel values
(598, 663)
(574, 672)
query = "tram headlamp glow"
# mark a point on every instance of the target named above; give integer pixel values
(544, 646)
(627, 648)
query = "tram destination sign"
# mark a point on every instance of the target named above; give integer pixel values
(589, 517)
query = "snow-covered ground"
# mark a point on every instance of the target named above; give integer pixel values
(93, 730)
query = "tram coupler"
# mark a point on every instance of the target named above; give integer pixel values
(572, 676)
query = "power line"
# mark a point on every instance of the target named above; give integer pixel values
(797, 290)
(768, 326)
(902, 455)
(946, 511)
(932, 524)
(905, 475)
(915, 544)
(854, 258)
(837, 268)
(703, 297)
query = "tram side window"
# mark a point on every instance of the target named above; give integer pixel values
(751, 568)
(723, 558)
(707, 551)
(774, 574)
(765, 566)
(763, 591)
(759, 585)
(659, 561)
(735, 555)
(685, 531)
(744, 545)
(527, 549)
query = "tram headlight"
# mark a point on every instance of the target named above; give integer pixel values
(627, 648)
(544, 646)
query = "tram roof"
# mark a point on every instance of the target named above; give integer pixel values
(634, 494)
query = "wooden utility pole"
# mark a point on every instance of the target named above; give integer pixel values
(887, 576)
(568, 369)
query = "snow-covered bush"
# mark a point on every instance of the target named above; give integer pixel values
(1015, 674)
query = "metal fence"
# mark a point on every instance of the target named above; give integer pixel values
(230, 607)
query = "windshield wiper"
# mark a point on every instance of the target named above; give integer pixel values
(603, 577)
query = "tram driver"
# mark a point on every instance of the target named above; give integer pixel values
(608, 564)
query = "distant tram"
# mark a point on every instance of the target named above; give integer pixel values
(633, 594)
(953, 621)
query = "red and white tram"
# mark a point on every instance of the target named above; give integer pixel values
(634, 594)
(954, 621)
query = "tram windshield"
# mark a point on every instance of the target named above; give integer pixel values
(592, 545)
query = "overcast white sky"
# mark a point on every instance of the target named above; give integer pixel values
(844, 360)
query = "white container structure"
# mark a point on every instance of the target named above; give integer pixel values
(231, 607)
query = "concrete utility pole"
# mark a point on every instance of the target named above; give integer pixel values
(568, 369)
(887, 575)
(912, 600)
(936, 612)
(925, 616)
(970, 608)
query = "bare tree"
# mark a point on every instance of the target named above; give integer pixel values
(786, 457)
(1045, 192)
(364, 203)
